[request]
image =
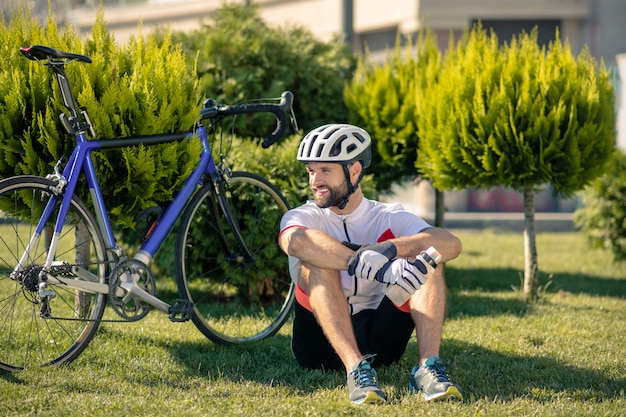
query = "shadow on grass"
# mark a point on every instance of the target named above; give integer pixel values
(493, 375)
(12, 377)
(482, 373)
(461, 304)
(268, 362)
(471, 292)
(505, 279)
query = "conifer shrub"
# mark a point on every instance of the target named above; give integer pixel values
(385, 99)
(140, 88)
(518, 115)
(150, 86)
(602, 217)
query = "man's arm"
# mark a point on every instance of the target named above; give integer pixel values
(324, 251)
(315, 247)
(448, 245)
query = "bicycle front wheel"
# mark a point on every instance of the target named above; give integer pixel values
(36, 330)
(236, 297)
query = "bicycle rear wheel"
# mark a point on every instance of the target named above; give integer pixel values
(35, 333)
(235, 299)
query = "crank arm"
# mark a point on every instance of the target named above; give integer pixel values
(136, 292)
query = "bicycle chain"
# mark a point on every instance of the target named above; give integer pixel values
(140, 309)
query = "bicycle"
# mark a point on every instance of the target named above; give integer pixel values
(60, 263)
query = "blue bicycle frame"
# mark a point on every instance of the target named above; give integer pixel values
(81, 161)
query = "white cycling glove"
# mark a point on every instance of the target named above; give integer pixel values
(368, 260)
(402, 273)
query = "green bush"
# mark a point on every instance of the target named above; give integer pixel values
(278, 164)
(602, 218)
(150, 86)
(240, 57)
(29, 106)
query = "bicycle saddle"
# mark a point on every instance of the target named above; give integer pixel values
(40, 52)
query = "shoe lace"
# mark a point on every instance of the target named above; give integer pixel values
(363, 374)
(438, 370)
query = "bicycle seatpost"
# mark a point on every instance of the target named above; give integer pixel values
(56, 60)
(58, 69)
(77, 122)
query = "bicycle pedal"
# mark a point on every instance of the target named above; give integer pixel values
(180, 311)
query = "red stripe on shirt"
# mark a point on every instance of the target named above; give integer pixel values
(386, 235)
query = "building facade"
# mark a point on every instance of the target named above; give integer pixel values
(598, 24)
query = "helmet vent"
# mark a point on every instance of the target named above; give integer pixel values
(336, 149)
(359, 137)
(331, 132)
(312, 146)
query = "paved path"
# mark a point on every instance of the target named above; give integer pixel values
(544, 222)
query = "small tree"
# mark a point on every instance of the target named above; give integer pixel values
(518, 116)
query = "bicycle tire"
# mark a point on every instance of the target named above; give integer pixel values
(234, 300)
(27, 339)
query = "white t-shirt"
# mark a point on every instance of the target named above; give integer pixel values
(371, 222)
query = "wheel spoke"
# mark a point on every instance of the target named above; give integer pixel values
(27, 338)
(235, 299)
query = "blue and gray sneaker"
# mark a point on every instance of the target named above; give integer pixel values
(431, 381)
(363, 384)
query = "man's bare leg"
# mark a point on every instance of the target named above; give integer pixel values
(428, 309)
(332, 312)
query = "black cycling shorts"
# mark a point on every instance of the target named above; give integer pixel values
(384, 332)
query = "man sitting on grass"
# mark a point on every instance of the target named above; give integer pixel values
(345, 252)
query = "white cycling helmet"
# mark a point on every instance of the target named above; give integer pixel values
(341, 143)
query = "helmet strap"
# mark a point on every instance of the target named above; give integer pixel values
(351, 187)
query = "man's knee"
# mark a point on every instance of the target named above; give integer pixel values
(310, 277)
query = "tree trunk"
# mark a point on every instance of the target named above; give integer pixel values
(439, 208)
(82, 300)
(531, 268)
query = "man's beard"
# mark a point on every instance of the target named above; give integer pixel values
(335, 197)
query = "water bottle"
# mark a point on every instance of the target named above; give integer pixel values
(426, 262)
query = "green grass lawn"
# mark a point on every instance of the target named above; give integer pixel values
(563, 356)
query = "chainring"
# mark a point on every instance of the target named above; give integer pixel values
(126, 272)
